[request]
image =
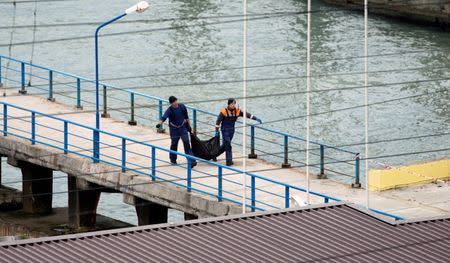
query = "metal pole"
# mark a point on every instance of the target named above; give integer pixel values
(244, 93)
(308, 98)
(97, 95)
(79, 94)
(105, 113)
(50, 86)
(366, 100)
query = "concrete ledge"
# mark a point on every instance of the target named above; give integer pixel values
(395, 177)
(437, 13)
(109, 176)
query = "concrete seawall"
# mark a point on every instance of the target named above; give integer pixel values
(428, 12)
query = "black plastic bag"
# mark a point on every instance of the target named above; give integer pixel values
(205, 149)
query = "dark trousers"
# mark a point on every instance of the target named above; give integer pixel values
(175, 136)
(227, 136)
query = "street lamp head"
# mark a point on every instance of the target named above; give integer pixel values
(137, 8)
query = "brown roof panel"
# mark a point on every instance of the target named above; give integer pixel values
(327, 233)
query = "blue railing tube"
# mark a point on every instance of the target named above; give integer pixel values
(252, 154)
(286, 163)
(286, 197)
(124, 155)
(194, 121)
(153, 163)
(33, 128)
(132, 121)
(22, 78)
(357, 183)
(66, 137)
(253, 193)
(50, 86)
(79, 94)
(5, 120)
(96, 145)
(189, 174)
(219, 184)
(160, 110)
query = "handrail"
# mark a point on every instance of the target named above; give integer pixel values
(237, 171)
(132, 94)
(188, 185)
(164, 100)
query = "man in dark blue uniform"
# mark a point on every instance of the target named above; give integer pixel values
(179, 126)
(226, 122)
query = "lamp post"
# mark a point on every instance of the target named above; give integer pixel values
(366, 98)
(308, 98)
(137, 8)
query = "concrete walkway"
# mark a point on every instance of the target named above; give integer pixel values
(412, 202)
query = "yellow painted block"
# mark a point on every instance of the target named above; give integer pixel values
(394, 177)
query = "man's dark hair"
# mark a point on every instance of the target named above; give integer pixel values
(172, 99)
(231, 100)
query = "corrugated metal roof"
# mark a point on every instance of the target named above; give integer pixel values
(330, 233)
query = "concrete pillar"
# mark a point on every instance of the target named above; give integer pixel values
(83, 202)
(148, 213)
(189, 217)
(37, 188)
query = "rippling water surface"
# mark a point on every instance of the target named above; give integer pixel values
(193, 49)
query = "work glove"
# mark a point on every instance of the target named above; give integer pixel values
(259, 120)
(217, 133)
(158, 126)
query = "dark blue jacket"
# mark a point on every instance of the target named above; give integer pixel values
(177, 116)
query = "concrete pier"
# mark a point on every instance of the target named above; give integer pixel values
(147, 212)
(37, 188)
(436, 13)
(83, 201)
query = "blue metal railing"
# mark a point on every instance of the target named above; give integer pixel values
(289, 143)
(12, 128)
(220, 191)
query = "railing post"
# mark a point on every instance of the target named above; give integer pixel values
(253, 193)
(322, 174)
(96, 146)
(66, 137)
(252, 154)
(124, 154)
(286, 163)
(356, 184)
(194, 121)
(153, 163)
(286, 197)
(189, 174)
(22, 79)
(219, 186)
(132, 121)
(160, 110)
(5, 120)
(33, 128)
(79, 94)
(50, 86)
(105, 113)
